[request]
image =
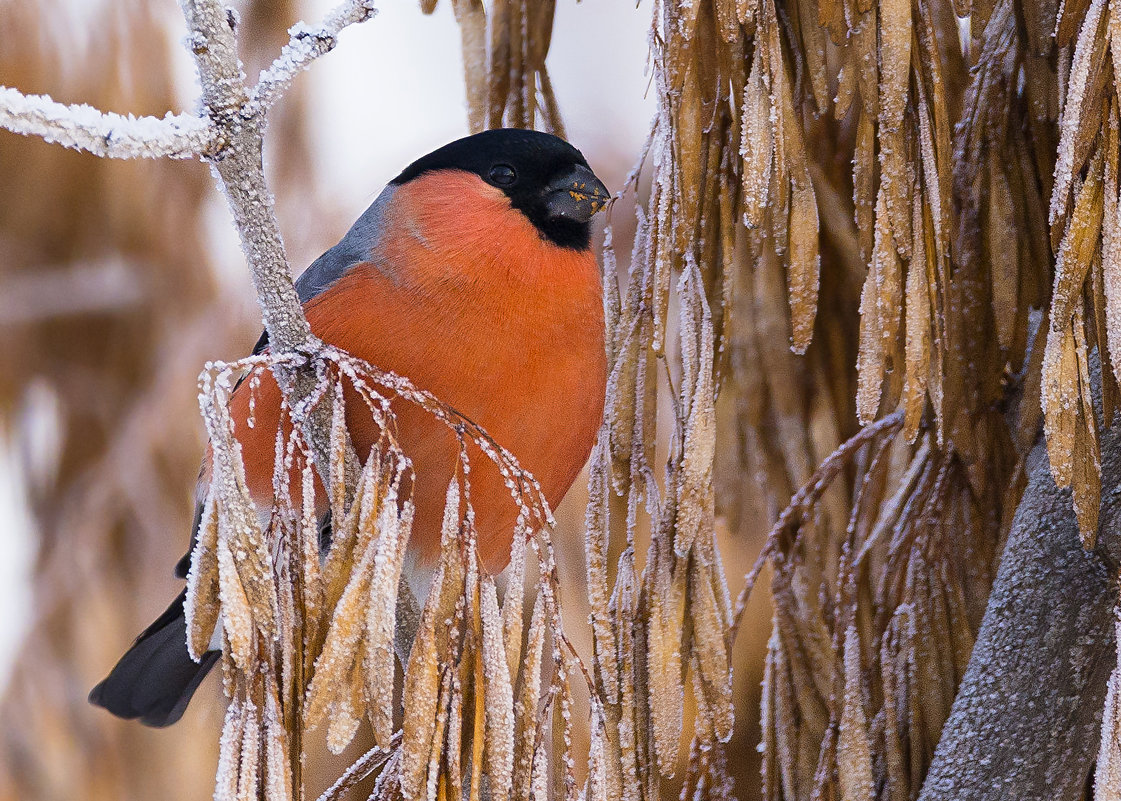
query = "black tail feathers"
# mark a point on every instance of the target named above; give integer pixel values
(156, 677)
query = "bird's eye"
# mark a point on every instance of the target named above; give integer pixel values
(503, 175)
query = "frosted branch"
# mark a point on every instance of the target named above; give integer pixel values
(241, 175)
(241, 178)
(307, 44)
(102, 133)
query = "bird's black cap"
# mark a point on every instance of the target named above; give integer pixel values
(545, 177)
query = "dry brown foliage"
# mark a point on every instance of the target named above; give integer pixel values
(309, 643)
(104, 323)
(883, 562)
(504, 54)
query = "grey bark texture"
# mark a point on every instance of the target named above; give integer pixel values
(241, 174)
(1026, 721)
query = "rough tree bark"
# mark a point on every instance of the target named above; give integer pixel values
(1026, 721)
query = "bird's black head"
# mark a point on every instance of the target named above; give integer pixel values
(545, 178)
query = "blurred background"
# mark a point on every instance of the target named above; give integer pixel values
(118, 280)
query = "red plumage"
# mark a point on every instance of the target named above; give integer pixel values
(466, 299)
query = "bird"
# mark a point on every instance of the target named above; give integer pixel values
(473, 275)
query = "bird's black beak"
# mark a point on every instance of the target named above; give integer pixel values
(575, 194)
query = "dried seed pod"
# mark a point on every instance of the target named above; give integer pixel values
(664, 664)
(804, 267)
(331, 681)
(381, 614)
(854, 751)
(499, 698)
(514, 599)
(757, 142)
(596, 535)
(1077, 132)
(202, 603)
(1064, 421)
(229, 753)
(525, 709)
(695, 499)
(248, 774)
(278, 771)
(237, 615)
(421, 694)
(472, 20)
(710, 652)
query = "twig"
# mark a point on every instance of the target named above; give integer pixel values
(363, 767)
(307, 44)
(820, 480)
(241, 175)
(228, 105)
(106, 134)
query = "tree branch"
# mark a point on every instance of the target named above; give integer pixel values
(239, 169)
(110, 135)
(106, 134)
(240, 172)
(1025, 723)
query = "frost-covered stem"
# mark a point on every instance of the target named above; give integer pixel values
(1026, 720)
(363, 767)
(240, 172)
(228, 105)
(242, 180)
(105, 134)
(306, 45)
(241, 177)
(239, 168)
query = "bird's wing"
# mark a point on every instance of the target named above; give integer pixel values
(359, 245)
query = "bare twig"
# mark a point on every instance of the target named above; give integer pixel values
(362, 767)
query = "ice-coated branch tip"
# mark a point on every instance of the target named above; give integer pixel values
(105, 134)
(306, 44)
(111, 135)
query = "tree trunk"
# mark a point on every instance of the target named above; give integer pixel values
(1026, 721)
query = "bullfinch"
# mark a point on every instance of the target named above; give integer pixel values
(473, 275)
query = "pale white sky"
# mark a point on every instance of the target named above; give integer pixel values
(389, 93)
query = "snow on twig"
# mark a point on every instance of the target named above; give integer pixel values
(225, 98)
(105, 134)
(307, 44)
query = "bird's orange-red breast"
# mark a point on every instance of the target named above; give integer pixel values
(472, 275)
(466, 298)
